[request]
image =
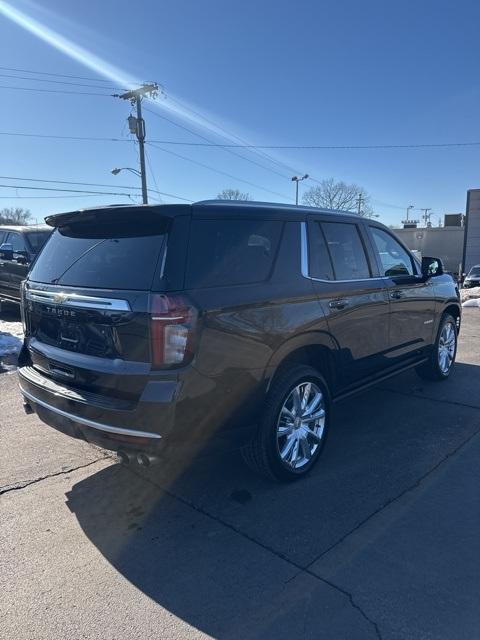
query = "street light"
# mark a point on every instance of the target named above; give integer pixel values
(296, 179)
(116, 171)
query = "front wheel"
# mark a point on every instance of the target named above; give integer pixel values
(292, 432)
(442, 357)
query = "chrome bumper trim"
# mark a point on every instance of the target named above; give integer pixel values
(76, 300)
(89, 423)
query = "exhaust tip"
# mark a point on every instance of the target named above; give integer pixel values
(143, 460)
(146, 460)
(123, 457)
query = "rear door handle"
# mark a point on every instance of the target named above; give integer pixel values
(396, 295)
(340, 303)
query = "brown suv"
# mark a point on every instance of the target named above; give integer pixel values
(154, 329)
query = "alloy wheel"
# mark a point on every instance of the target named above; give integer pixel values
(301, 425)
(446, 347)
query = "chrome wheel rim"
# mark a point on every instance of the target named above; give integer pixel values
(301, 425)
(446, 347)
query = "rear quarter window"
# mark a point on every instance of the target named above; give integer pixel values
(231, 252)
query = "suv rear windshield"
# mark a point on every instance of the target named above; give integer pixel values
(230, 252)
(96, 255)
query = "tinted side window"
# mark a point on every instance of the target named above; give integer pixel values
(17, 241)
(319, 263)
(394, 259)
(229, 252)
(346, 249)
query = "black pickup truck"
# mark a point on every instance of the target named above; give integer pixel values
(18, 247)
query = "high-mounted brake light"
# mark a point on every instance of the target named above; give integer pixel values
(172, 329)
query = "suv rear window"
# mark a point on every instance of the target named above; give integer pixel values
(112, 256)
(230, 252)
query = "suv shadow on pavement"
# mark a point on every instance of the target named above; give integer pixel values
(238, 556)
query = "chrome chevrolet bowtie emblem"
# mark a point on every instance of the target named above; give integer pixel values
(58, 298)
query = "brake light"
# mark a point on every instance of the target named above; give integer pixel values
(172, 329)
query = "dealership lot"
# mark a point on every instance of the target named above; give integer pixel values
(380, 541)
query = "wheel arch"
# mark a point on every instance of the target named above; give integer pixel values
(316, 349)
(454, 309)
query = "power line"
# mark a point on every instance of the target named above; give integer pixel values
(229, 150)
(322, 147)
(231, 135)
(151, 170)
(60, 137)
(84, 184)
(75, 93)
(234, 146)
(73, 84)
(93, 184)
(56, 75)
(224, 173)
(99, 193)
(85, 195)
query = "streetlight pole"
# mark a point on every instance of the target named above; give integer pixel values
(296, 179)
(407, 222)
(359, 204)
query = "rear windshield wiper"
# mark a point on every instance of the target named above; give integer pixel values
(56, 280)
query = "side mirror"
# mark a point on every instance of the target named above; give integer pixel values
(6, 251)
(432, 267)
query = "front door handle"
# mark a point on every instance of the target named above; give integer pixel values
(396, 295)
(339, 303)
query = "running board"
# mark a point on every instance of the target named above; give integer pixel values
(382, 378)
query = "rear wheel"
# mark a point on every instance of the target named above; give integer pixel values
(292, 432)
(442, 357)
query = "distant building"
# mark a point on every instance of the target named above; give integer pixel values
(453, 220)
(471, 250)
(439, 242)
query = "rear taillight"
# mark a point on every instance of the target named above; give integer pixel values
(172, 330)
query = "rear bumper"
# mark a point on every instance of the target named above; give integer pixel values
(154, 424)
(98, 419)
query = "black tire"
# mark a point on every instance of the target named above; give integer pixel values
(262, 454)
(431, 370)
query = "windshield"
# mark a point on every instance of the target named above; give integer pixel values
(37, 239)
(98, 255)
(474, 271)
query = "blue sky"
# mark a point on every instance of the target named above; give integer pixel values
(270, 71)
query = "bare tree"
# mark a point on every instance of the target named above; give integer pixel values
(330, 194)
(233, 194)
(15, 215)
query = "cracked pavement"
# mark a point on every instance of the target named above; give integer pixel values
(380, 541)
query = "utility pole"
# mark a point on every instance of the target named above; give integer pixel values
(426, 216)
(137, 125)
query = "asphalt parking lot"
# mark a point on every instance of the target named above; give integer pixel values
(380, 541)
